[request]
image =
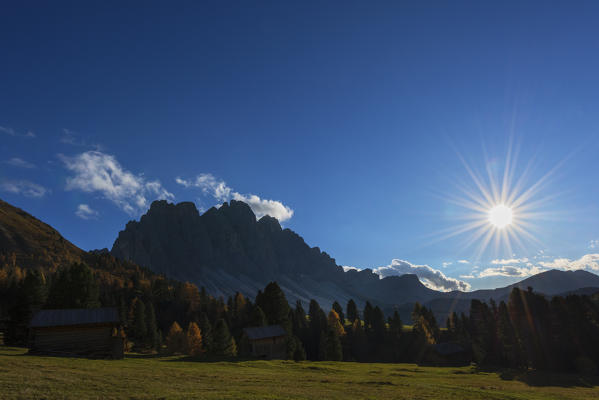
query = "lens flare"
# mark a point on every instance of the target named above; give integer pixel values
(499, 207)
(500, 216)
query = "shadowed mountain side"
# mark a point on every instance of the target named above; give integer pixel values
(226, 249)
(28, 242)
(550, 283)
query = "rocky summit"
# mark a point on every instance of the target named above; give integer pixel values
(227, 249)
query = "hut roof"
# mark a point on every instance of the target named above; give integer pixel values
(263, 332)
(74, 316)
(448, 348)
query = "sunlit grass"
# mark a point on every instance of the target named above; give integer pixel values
(138, 377)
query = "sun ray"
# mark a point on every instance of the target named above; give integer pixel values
(501, 204)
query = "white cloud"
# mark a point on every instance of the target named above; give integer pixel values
(446, 264)
(432, 278)
(510, 271)
(74, 139)
(95, 171)
(12, 132)
(594, 244)
(86, 212)
(19, 162)
(25, 188)
(349, 268)
(463, 261)
(467, 276)
(504, 261)
(218, 189)
(588, 261)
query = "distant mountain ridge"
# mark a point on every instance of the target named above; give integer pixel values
(227, 249)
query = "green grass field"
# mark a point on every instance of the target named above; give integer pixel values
(145, 377)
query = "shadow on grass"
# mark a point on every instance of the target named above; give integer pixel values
(210, 359)
(545, 378)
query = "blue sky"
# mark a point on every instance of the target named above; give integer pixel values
(352, 122)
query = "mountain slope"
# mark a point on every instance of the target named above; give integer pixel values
(28, 242)
(226, 249)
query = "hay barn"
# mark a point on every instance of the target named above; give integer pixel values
(267, 341)
(77, 332)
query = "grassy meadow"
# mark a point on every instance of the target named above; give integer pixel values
(148, 377)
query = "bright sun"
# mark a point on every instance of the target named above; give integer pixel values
(500, 216)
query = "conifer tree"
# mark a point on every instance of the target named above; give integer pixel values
(368, 310)
(352, 311)
(223, 342)
(339, 310)
(275, 306)
(333, 350)
(74, 287)
(194, 340)
(258, 317)
(175, 340)
(207, 337)
(334, 323)
(359, 342)
(138, 328)
(152, 339)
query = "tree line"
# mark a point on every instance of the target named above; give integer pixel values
(159, 314)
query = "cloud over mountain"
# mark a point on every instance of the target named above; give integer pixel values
(94, 171)
(510, 271)
(86, 212)
(220, 191)
(433, 278)
(23, 187)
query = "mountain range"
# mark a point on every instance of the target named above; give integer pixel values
(227, 249)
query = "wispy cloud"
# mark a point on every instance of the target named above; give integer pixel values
(94, 171)
(74, 139)
(510, 271)
(12, 132)
(463, 261)
(593, 244)
(433, 278)
(506, 261)
(219, 190)
(588, 261)
(24, 188)
(86, 212)
(19, 162)
(446, 264)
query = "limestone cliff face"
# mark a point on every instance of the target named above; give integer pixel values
(226, 249)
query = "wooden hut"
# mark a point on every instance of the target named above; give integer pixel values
(77, 332)
(267, 341)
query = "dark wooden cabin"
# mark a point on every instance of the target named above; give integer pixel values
(267, 341)
(447, 354)
(77, 332)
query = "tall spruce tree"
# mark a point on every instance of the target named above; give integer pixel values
(275, 306)
(223, 342)
(352, 311)
(152, 340)
(207, 336)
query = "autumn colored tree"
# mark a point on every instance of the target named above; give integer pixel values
(194, 340)
(175, 340)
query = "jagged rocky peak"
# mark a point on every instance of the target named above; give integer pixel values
(271, 224)
(163, 206)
